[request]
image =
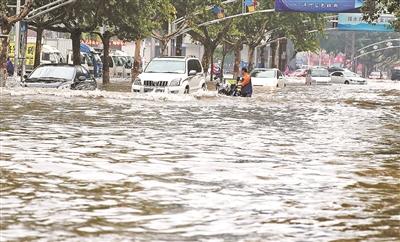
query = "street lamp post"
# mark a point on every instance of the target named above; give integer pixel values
(17, 41)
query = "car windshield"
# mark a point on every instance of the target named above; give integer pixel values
(55, 72)
(166, 66)
(319, 73)
(265, 74)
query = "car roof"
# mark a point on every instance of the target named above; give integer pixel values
(265, 69)
(175, 58)
(59, 64)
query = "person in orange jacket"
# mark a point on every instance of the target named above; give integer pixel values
(247, 87)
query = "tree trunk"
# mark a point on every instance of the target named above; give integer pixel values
(76, 47)
(251, 58)
(38, 48)
(137, 61)
(262, 56)
(212, 64)
(106, 66)
(223, 64)
(179, 42)
(277, 54)
(282, 57)
(164, 47)
(3, 55)
(205, 61)
(238, 57)
(273, 54)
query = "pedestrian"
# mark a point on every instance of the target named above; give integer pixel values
(10, 67)
(247, 87)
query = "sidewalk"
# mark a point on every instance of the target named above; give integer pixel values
(115, 85)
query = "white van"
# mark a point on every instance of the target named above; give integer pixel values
(51, 55)
(48, 55)
(86, 61)
(120, 64)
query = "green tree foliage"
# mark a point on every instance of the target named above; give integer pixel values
(131, 20)
(40, 23)
(209, 35)
(374, 8)
(341, 42)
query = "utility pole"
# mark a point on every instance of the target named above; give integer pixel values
(353, 51)
(17, 41)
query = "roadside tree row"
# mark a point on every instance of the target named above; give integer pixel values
(132, 20)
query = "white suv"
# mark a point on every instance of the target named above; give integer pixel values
(180, 75)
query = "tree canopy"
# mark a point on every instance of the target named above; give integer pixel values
(374, 8)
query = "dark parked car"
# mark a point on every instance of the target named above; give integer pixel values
(61, 76)
(396, 74)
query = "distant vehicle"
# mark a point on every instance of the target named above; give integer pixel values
(396, 74)
(179, 75)
(60, 76)
(299, 73)
(347, 77)
(51, 55)
(48, 55)
(375, 75)
(96, 65)
(120, 64)
(318, 76)
(267, 78)
(86, 60)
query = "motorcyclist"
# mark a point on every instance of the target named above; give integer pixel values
(247, 87)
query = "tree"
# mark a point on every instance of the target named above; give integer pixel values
(7, 21)
(372, 9)
(41, 23)
(210, 36)
(148, 16)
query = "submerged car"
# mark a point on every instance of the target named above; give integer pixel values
(178, 75)
(376, 75)
(396, 74)
(299, 73)
(347, 77)
(267, 78)
(61, 76)
(318, 76)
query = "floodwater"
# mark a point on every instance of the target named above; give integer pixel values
(298, 164)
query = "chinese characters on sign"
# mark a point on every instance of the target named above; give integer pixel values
(319, 6)
(354, 22)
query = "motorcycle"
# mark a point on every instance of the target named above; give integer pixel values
(229, 89)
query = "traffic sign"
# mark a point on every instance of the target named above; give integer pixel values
(319, 6)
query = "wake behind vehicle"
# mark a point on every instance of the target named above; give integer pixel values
(60, 76)
(347, 77)
(318, 76)
(178, 75)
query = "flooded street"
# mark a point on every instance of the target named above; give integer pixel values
(297, 164)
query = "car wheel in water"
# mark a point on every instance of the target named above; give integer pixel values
(347, 82)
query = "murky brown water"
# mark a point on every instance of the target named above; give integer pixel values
(299, 164)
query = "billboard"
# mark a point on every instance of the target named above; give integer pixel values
(354, 22)
(29, 54)
(319, 6)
